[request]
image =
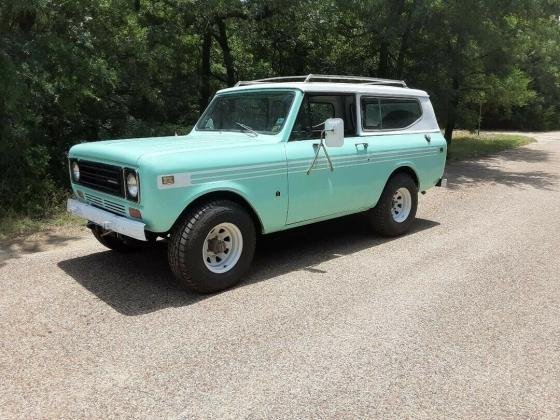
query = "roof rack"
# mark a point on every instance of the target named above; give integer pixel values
(325, 78)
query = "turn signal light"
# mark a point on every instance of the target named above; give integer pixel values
(134, 213)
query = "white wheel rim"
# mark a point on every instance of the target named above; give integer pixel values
(222, 248)
(401, 205)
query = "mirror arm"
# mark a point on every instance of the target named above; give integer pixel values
(328, 157)
(319, 146)
(316, 155)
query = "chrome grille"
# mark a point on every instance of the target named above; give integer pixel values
(102, 177)
(104, 204)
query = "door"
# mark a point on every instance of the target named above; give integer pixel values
(318, 191)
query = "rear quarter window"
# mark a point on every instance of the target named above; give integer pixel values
(389, 113)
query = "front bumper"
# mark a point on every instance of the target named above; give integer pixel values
(107, 220)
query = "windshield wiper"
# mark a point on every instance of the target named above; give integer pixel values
(247, 128)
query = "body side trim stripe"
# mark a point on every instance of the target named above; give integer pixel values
(320, 167)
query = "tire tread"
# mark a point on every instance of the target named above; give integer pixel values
(380, 216)
(180, 237)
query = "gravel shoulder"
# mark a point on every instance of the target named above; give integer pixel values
(460, 318)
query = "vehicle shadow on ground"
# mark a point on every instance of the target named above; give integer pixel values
(494, 169)
(136, 284)
(15, 248)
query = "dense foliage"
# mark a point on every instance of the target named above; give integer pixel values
(75, 70)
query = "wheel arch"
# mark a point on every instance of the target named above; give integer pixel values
(223, 195)
(408, 170)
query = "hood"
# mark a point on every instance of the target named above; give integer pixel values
(130, 151)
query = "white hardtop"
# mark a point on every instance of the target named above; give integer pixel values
(333, 84)
(333, 87)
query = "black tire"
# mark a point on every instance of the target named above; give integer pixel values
(185, 246)
(381, 218)
(115, 241)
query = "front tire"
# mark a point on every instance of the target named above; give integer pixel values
(212, 247)
(395, 211)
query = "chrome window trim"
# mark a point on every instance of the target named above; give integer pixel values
(356, 97)
(390, 130)
(396, 133)
(233, 92)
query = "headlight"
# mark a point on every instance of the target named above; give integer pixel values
(132, 185)
(76, 171)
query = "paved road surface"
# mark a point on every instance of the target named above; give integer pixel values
(461, 318)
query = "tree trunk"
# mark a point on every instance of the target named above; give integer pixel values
(26, 20)
(449, 126)
(204, 84)
(383, 67)
(396, 9)
(399, 71)
(226, 51)
(452, 106)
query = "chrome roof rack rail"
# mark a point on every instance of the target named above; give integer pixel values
(326, 78)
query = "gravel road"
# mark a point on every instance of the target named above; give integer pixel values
(460, 318)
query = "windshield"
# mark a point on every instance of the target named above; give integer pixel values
(250, 112)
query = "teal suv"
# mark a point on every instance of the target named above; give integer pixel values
(266, 155)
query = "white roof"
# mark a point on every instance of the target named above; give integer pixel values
(328, 87)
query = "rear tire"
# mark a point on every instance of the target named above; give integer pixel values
(395, 211)
(212, 247)
(116, 241)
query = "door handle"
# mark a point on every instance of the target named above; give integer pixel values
(428, 137)
(364, 145)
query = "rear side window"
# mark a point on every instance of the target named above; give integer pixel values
(389, 113)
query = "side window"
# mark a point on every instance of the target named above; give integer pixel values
(371, 114)
(320, 111)
(389, 113)
(316, 108)
(399, 113)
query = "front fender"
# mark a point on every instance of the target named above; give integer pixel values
(267, 196)
(229, 188)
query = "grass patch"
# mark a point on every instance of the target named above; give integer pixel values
(13, 225)
(469, 146)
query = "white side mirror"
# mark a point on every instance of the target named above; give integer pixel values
(334, 132)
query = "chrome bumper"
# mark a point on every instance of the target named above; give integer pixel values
(107, 220)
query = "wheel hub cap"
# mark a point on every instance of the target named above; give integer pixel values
(401, 204)
(222, 247)
(217, 246)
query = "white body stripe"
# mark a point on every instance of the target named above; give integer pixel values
(240, 173)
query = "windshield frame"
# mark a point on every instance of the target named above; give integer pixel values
(218, 95)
